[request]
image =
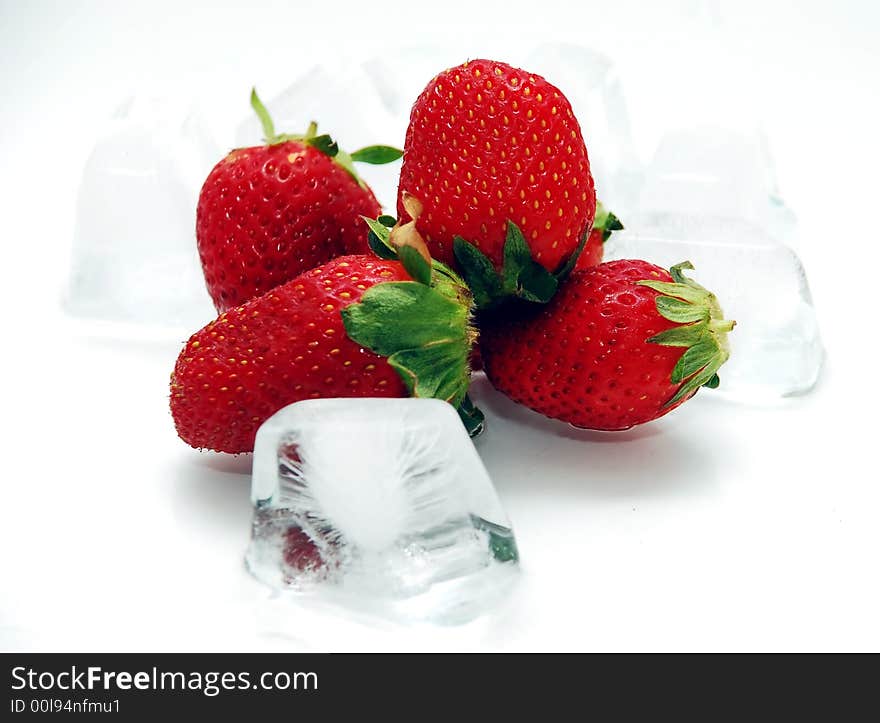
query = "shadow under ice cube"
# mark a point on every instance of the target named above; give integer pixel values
(379, 504)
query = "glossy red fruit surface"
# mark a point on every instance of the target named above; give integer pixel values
(287, 345)
(486, 143)
(593, 252)
(268, 213)
(585, 357)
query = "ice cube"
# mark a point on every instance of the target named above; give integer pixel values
(717, 172)
(134, 254)
(382, 505)
(776, 349)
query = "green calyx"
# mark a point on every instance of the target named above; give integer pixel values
(520, 276)
(606, 222)
(423, 327)
(702, 331)
(375, 155)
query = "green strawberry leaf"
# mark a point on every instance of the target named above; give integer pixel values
(471, 416)
(387, 221)
(612, 224)
(681, 291)
(700, 379)
(562, 274)
(517, 256)
(605, 221)
(521, 275)
(537, 284)
(415, 264)
(377, 238)
(694, 359)
(680, 335)
(422, 315)
(382, 250)
(680, 311)
(702, 331)
(432, 371)
(478, 272)
(600, 218)
(382, 230)
(377, 155)
(450, 284)
(713, 382)
(325, 144)
(423, 332)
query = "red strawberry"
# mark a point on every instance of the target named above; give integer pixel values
(268, 213)
(622, 343)
(593, 252)
(300, 553)
(603, 225)
(357, 326)
(488, 143)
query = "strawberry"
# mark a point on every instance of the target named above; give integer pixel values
(357, 326)
(267, 213)
(490, 146)
(622, 343)
(299, 552)
(603, 225)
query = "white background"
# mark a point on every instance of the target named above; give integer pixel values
(721, 526)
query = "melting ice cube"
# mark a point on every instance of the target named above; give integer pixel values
(134, 253)
(381, 504)
(717, 172)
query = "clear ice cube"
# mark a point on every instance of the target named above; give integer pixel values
(134, 252)
(776, 349)
(717, 172)
(382, 505)
(709, 196)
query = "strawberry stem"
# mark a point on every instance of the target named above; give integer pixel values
(325, 144)
(376, 155)
(265, 118)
